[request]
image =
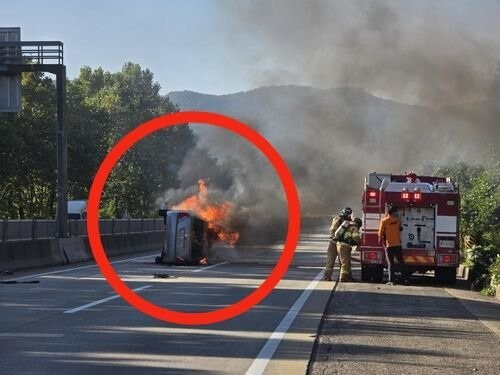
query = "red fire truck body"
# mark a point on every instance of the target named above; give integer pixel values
(428, 208)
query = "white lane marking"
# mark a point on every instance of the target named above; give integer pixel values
(207, 268)
(91, 304)
(265, 355)
(78, 268)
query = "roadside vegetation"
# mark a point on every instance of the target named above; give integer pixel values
(102, 107)
(480, 219)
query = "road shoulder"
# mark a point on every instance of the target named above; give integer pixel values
(485, 309)
(380, 329)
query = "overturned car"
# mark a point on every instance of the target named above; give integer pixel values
(187, 238)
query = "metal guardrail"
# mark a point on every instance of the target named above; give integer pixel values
(36, 52)
(14, 230)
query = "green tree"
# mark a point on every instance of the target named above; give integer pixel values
(91, 102)
(27, 152)
(102, 107)
(480, 196)
(107, 106)
(480, 203)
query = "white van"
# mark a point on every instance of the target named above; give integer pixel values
(77, 210)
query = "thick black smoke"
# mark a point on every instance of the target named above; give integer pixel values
(408, 86)
(426, 52)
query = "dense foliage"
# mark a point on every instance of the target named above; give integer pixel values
(102, 107)
(480, 213)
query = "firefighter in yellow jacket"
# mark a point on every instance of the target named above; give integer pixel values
(347, 239)
(331, 253)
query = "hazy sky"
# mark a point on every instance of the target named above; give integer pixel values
(224, 46)
(183, 42)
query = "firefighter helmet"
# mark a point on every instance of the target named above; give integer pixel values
(358, 222)
(346, 211)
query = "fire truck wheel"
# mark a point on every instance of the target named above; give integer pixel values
(378, 274)
(375, 273)
(446, 275)
(366, 274)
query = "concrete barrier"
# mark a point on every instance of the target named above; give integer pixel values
(24, 254)
(6, 257)
(120, 244)
(50, 253)
(73, 249)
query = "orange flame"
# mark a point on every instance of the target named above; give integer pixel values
(214, 214)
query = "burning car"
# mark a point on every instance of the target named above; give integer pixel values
(192, 226)
(187, 238)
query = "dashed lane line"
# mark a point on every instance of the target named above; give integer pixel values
(95, 303)
(209, 267)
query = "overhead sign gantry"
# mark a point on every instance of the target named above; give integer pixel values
(18, 56)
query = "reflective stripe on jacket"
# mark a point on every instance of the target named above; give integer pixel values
(351, 235)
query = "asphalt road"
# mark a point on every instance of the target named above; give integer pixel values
(417, 329)
(71, 321)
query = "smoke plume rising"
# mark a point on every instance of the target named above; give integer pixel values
(386, 86)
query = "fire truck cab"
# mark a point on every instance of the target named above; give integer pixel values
(428, 208)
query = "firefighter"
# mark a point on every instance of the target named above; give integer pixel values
(389, 236)
(332, 253)
(349, 238)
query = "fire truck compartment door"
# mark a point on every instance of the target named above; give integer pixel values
(418, 227)
(183, 238)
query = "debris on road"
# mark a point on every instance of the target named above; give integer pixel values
(161, 275)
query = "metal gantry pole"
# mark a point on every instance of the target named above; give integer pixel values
(62, 155)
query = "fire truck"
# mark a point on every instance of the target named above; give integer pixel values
(428, 208)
